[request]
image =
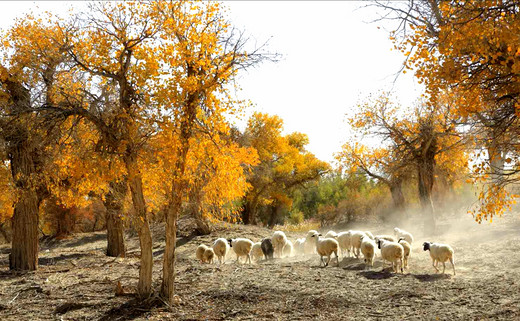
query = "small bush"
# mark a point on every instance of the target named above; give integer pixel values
(300, 227)
(296, 217)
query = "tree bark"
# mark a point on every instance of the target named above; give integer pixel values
(23, 159)
(6, 236)
(179, 186)
(397, 195)
(114, 209)
(144, 286)
(425, 185)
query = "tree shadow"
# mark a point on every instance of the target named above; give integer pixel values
(82, 241)
(431, 277)
(132, 309)
(62, 257)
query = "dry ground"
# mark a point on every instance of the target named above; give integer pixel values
(77, 282)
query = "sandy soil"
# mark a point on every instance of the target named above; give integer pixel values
(77, 282)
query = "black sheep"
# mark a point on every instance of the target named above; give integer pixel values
(267, 248)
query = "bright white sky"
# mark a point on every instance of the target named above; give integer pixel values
(332, 58)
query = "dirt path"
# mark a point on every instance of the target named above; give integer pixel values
(77, 282)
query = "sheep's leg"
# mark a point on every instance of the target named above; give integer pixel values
(328, 260)
(321, 260)
(402, 270)
(453, 265)
(443, 267)
(249, 258)
(434, 266)
(337, 257)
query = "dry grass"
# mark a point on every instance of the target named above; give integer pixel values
(304, 226)
(76, 281)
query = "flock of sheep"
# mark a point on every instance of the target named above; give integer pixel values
(394, 249)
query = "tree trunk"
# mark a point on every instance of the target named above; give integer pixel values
(114, 209)
(425, 184)
(203, 226)
(6, 236)
(398, 199)
(24, 250)
(397, 195)
(179, 186)
(197, 206)
(23, 159)
(144, 286)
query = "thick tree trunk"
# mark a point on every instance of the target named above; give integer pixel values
(24, 250)
(203, 226)
(144, 286)
(425, 185)
(114, 210)
(397, 195)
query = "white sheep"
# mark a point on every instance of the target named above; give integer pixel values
(256, 251)
(325, 247)
(208, 256)
(299, 246)
(392, 252)
(241, 247)
(389, 238)
(331, 234)
(199, 253)
(221, 249)
(355, 241)
(368, 248)
(344, 242)
(279, 240)
(370, 235)
(440, 253)
(310, 245)
(408, 237)
(288, 250)
(407, 250)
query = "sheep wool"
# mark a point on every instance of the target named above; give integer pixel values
(325, 247)
(331, 234)
(392, 252)
(344, 242)
(407, 250)
(368, 248)
(389, 238)
(267, 248)
(299, 246)
(288, 250)
(408, 237)
(242, 247)
(310, 245)
(256, 251)
(199, 253)
(221, 249)
(440, 253)
(355, 241)
(209, 255)
(279, 240)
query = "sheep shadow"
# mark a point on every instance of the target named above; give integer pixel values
(355, 267)
(377, 275)
(431, 277)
